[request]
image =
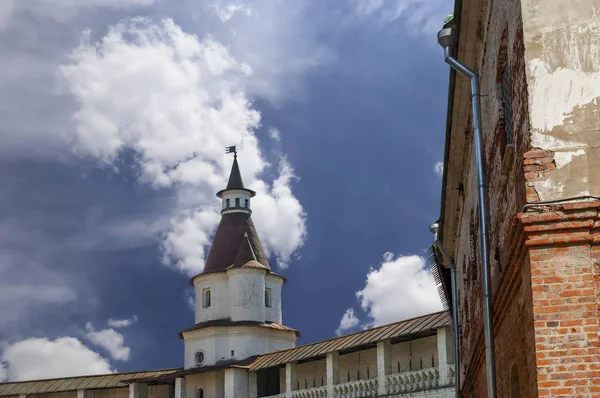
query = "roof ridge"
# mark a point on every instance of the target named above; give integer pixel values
(92, 375)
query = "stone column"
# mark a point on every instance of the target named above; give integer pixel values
(236, 383)
(180, 390)
(252, 385)
(442, 348)
(136, 390)
(81, 393)
(333, 371)
(384, 364)
(290, 378)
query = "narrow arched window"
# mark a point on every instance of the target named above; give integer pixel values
(200, 393)
(206, 298)
(246, 202)
(267, 297)
(237, 202)
(227, 203)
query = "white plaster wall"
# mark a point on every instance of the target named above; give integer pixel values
(422, 349)
(274, 314)
(158, 391)
(109, 393)
(219, 297)
(217, 343)
(351, 363)
(213, 384)
(247, 294)
(236, 383)
(232, 195)
(68, 394)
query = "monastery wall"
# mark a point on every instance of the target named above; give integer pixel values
(362, 365)
(212, 384)
(540, 149)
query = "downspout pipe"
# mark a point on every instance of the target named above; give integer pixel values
(446, 39)
(448, 263)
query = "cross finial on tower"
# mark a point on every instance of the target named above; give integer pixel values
(231, 149)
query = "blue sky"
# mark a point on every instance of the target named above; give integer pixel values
(115, 115)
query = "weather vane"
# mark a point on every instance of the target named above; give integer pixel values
(231, 149)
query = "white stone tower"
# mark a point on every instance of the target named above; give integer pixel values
(238, 297)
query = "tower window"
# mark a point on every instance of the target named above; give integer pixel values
(200, 393)
(206, 298)
(227, 203)
(268, 297)
(199, 357)
(246, 203)
(237, 202)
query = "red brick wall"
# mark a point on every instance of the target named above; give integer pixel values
(510, 268)
(545, 260)
(564, 252)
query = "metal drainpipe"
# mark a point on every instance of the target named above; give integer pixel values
(446, 40)
(447, 261)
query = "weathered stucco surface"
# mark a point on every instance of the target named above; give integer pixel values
(563, 76)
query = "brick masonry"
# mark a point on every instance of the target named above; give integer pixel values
(545, 258)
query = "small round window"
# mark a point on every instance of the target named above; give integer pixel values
(199, 357)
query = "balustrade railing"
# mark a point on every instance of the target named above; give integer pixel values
(398, 383)
(412, 381)
(316, 392)
(358, 388)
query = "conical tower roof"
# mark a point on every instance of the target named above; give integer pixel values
(235, 180)
(236, 241)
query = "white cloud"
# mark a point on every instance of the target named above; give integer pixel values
(401, 288)
(185, 245)
(120, 323)
(439, 169)
(177, 101)
(348, 322)
(279, 216)
(228, 11)
(109, 339)
(40, 358)
(275, 134)
(3, 372)
(422, 16)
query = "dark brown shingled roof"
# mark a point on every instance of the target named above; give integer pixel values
(228, 322)
(236, 231)
(235, 180)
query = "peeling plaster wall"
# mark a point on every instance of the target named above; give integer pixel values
(274, 313)
(247, 295)
(562, 55)
(219, 297)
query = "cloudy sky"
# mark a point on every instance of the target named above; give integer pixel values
(114, 118)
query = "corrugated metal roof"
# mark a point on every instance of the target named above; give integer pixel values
(392, 331)
(63, 384)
